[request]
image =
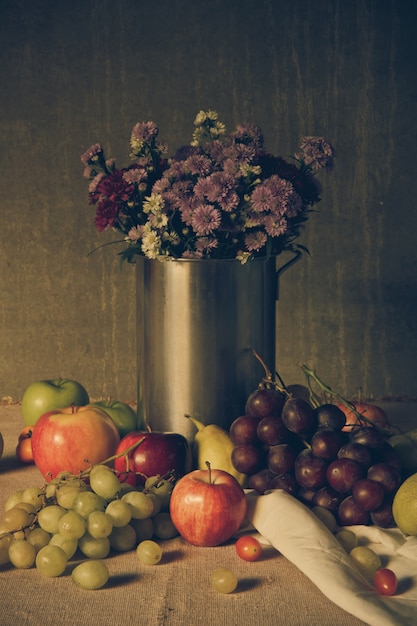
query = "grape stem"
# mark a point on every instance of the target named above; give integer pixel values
(169, 476)
(267, 380)
(124, 454)
(316, 401)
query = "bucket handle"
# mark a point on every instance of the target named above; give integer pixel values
(283, 268)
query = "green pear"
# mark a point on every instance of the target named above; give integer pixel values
(212, 444)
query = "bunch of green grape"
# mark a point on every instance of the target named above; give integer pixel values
(45, 527)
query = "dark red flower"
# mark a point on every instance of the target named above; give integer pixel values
(114, 187)
(106, 214)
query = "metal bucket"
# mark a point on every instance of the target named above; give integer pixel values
(198, 322)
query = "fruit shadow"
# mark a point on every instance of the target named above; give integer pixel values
(171, 556)
(117, 580)
(268, 553)
(404, 584)
(246, 584)
(11, 463)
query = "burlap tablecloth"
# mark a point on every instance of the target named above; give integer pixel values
(271, 591)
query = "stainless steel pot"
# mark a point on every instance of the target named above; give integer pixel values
(198, 322)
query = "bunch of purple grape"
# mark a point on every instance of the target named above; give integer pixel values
(283, 443)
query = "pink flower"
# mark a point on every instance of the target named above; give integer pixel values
(145, 132)
(205, 219)
(317, 153)
(206, 244)
(93, 154)
(255, 241)
(276, 195)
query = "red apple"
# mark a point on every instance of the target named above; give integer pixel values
(158, 454)
(370, 411)
(72, 439)
(207, 507)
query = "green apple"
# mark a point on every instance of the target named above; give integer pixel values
(47, 395)
(405, 445)
(122, 415)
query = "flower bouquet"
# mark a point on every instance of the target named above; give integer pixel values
(224, 196)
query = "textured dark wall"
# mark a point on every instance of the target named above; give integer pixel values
(74, 73)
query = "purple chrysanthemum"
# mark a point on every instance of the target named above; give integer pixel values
(276, 195)
(317, 153)
(198, 165)
(255, 241)
(135, 175)
(275, 226)
(206, 218)
(217, 187)
(144, 132)
(206, 244)
(249, 134)
(192, 254)
(92, 155)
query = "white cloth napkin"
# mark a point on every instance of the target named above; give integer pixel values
(303, 539)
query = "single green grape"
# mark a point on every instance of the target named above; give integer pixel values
(16, 518)
(5, 542)
(119, 512)
(20, 534)
(347, 539)
(71, 525)
(366, 560)
(224, 580)
(49, 516)
(325, 516)
(163, 526)
(157, 502)
(38, 537)
(69, 546)
(94, 548)
(22, 554)
(51, 561)
(161, 487)
(140, 505)
(149, 552)
(144, 528)
(34, 496)
(86, 502)
(123, 539)
(125, 488)
(26, 506)
(99, 524)
(66, 493)
(104, 482)
(13, 499)
(91, 575)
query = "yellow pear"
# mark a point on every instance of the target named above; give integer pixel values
(213, 444)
